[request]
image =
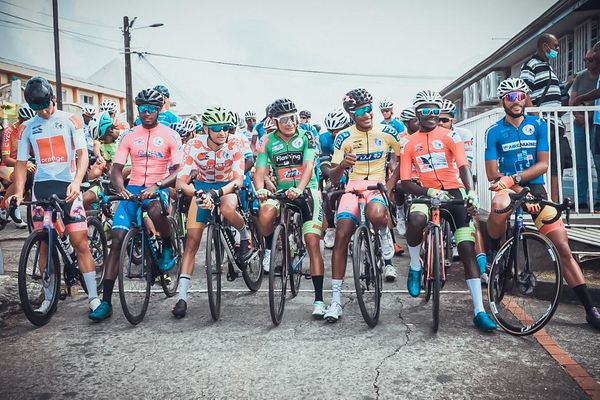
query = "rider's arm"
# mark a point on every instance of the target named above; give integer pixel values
(80, 144)
(259, 178)
(261, 165)
(458, 150)
(23, 154)
(406, 171)
(589, 96)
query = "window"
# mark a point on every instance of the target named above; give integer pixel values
(87, 99)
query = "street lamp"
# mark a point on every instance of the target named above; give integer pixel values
(127, 28)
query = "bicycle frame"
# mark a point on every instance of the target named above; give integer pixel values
(433, 226)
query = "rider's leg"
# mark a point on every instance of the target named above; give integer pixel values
(161, 223)
(317, 267)
(496, 223)
(229, 205)
(417, 221)
(267, 214)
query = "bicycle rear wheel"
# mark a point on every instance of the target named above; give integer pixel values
(98, 247)
(170, 280)
(278, 275)
(524, 295)
(135, 277)
(437, 263)
(35, 285)
(253, 273)
(367, 276)
(214, 270)
(296, 259)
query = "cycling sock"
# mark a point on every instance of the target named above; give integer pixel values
(184, 285)
(17, 214)
(481, 262)
(415, 257)
(336, 290)
(244, 233)
(318, 285)
(49, 291)
(583, 294)
(90, 284)
(269, 241)
(108, 286)
(475, 289)
(166, 242)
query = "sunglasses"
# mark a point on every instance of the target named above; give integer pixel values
(386, 110)
(39, 106)
(287, 119)
(515, 96)
(146, 108)
(251, 119)
(445, 120)
(220, 128)
(359, 112)
(429, 111)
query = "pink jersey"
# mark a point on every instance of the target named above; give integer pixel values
(151, 152)
(223, 165)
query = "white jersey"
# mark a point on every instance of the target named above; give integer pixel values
(53, 142)
(466, 137)
(248, 134)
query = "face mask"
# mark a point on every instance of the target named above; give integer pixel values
(552, 54)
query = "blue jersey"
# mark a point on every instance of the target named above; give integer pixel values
(326, 142)
(260, 130)
(166, 118)
(516, 149)
(396, 123)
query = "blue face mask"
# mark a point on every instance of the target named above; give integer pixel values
(552, 54)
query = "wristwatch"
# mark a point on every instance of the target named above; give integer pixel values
(517, 178)
(159, 184)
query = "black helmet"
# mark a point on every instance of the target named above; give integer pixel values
(149, 96)
(38, 92)
(356, 98)
(280, 107)
(162, 90)
(305, 114)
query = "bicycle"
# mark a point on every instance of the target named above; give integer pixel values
(43, 254)
(287, 256)
(139, 262)
(433, 250)
(531, 276)
(220, 242)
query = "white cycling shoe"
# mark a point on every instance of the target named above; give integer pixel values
(334, 312)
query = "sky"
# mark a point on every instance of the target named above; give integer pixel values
(424, 45)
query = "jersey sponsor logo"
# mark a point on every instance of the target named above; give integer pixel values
(339, 139)
(277, 147)
(437, 144)
(36, 129)
(523, 144)
(419, 147)
(297, 143)
(369, 156)
(378, 142)
(139, 142)
(287, 159)
(158, 141)
(454, 137)
(292, 173)
(528, 129)
(150, 154)
(59, 125)
(52, 149)
(432, 161)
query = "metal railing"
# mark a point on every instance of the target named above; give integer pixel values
(567, 185)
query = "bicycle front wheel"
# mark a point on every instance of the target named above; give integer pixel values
(214, 270)
(278, 275)
(170, 280)
(299, 253)
(253, 273)
(98, 247)
(524, 295)
(135, 277)
(38, 280)
(437, 263)
(367, 276)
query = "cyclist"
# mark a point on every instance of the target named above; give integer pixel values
(110, 106)
(155, 152)
(438, 158)
(249, 132)
(56, 140)
(87, 113)
(516, 155)
(219, 164)
(305, 117)
(166, 116)
(335, 121)
(101, 130)
(290, 152)
(410, 120)
(386, 108)
(10, 141)
(186, 129)
(362, 148)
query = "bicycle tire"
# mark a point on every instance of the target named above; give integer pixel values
(278, 273)
(214, 270)
(447, 242)
(134, 271)
(367, 276)
(29, 218)
(436, 264)
(295, 273)
(253, 273)
(169, 285)
(32, 243)
(98, 247)
(501, 274)
(427, 284)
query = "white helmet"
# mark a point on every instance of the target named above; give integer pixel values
(448, 107)
(26, 112)
(512, 85)
(250, 114)
(407, 114)
(337, 119)
(108, 105)
(189, 124)
(427, 97)
(385, 104)
(88, 109)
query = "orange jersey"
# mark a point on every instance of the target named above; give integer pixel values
(10, 140)
(436, 157)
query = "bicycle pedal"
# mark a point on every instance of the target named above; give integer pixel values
(232, 276)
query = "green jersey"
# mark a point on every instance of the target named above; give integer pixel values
(287, 158)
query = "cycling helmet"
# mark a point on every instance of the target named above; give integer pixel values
(235, 118)
(25, 112)
(407, 114)
(249, 115)
(216, 115)
(88, 109)
(385, 104)
(189, 124)
(448, 107)
(305, 114)
(512, 85)
(336, 120)
(108, 105)
(150, 97)
(162, 90)
(99, 125)
(269, 125)
(427, 97)
(317, 127)
(182, 129)
(38, 91)
(280, 107)
(198, 126)
(356, 98)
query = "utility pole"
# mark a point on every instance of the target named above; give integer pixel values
(57, 55)
(128, 84)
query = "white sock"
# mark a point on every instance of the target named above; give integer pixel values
(184, 284)
(415, 257)
(336, 289)
(90, 283)
(475, 289)
(244, 233)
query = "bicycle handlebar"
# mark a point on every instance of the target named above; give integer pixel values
(434, 201)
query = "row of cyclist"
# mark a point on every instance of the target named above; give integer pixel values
(422, 157)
